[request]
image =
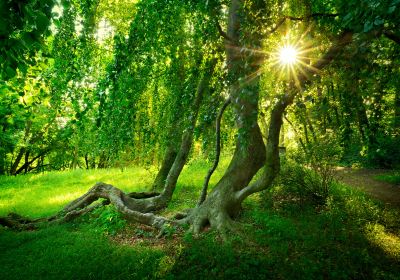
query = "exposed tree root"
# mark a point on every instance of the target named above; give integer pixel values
(140, 195)
(85, 204)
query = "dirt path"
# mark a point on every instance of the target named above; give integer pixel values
(363, 179)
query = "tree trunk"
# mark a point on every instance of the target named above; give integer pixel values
(166, 166)
(397, 109)
(17, 161)
(2, 162)
(87, 161)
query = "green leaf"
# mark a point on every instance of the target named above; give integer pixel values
(368, 26)
(391, 9)
(10, 72)
(42, 22)
(378, 21)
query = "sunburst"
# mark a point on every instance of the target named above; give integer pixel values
(289, 57)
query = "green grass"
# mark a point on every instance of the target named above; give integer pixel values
(351, 237)
(393, 178)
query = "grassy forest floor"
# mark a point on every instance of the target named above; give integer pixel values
(286, 236)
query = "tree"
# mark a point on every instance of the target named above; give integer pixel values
(244, 39)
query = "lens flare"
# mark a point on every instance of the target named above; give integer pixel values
(288, 55)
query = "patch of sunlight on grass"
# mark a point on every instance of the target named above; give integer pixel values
(37, 195)
(63, 198)
(388, 242)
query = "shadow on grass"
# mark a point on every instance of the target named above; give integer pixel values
(351, 237)
(59, 252)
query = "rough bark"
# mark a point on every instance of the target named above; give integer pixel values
(166, 166)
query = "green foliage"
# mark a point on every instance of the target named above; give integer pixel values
(393, 178)
(107, 220)
(366, 15)
(23, 26)
(309, 172)
(385, 152)
(305, 183)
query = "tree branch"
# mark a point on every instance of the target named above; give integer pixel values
(217, 152)
(222, 32)
(284, 18)
(345, 38)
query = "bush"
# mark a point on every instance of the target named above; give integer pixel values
(310, 173)
(304, 182)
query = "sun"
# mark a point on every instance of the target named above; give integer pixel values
(288, 55)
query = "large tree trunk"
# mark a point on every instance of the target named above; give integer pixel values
(222, 203)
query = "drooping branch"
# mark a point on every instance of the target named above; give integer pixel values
(187, 138)
(217, 152)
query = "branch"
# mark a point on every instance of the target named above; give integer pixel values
(315, 15)
(272, 164)
(282, 20)
(222, 33)
(217, 152)
(344, 39)
(27, 164)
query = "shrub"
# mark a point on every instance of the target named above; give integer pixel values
(304, 182)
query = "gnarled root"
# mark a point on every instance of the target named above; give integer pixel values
(84, 204)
